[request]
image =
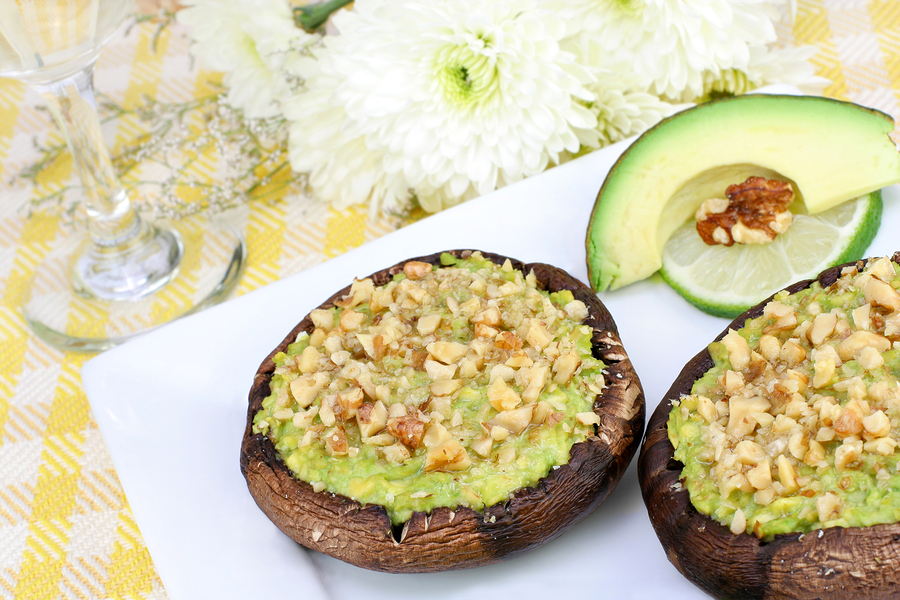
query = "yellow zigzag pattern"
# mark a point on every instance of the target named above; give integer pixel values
(26, 422)
(812, 28)
(179, 293)
(15, 342)
(883, 12)
(55, 492)
(130, 569)
(11, 99)
(15, 504)
(14, 422)
(100, 491)
(10, 229)
(849, 21)
(306, 236)
(345, 230)
(33, 246)
(82, 576)
(85, 320)
(32, 119)
(12, 94)
(7, 384)
(265, 238)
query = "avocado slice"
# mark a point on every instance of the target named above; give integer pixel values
(831, 151)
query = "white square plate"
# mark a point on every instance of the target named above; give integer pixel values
(171, 406)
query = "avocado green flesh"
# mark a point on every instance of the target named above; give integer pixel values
(831, 151)
(371, 480)
(869, 488)
(406, 488)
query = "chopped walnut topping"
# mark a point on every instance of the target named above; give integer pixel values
(753, 212)
(458, 369)
(817, 394)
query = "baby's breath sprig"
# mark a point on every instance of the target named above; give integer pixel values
(201, 155)
(161, 19)
(251, 155)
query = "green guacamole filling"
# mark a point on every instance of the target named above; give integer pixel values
(446, 387)
(795, 427)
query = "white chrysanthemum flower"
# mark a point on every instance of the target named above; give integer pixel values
(254, 42)
(786, 65)
(448, 100)
(342, 169)
(623, 112)
(671, 44)
(623, 108)
(767, 66)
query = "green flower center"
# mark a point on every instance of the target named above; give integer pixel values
(729, 83)
(627, 8)
(466, 77)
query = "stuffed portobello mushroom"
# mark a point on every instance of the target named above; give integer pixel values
(444, 413)
(770, 468)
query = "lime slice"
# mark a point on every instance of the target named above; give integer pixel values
(726, 281)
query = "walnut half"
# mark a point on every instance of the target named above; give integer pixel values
(753, 212)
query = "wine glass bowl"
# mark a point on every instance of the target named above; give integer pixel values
(129, 275)
(42, 41)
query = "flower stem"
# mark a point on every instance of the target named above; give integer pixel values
(314, 16)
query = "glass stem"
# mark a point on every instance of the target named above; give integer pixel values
(125, 257)
(111, 218)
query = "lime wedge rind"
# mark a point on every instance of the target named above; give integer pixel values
(726, 281)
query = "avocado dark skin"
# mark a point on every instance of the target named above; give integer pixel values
(851, 563)
(457, 538)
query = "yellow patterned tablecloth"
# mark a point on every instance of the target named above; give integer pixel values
(66, 530)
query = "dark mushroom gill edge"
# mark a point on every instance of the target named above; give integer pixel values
(852, 563)
(457, 538)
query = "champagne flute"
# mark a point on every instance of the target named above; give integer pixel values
(129, 275)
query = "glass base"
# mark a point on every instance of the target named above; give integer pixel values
(126, 273)
(71, 318)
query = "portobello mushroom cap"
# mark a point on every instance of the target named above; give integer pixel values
(456, 538)
(848, 563)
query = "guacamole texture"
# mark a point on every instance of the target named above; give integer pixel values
(452, 386)
(795, 427)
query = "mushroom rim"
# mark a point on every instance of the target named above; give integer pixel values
(851, 562)
(594, 468)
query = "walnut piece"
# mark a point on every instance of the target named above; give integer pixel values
(408, 430)
(753, 212)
